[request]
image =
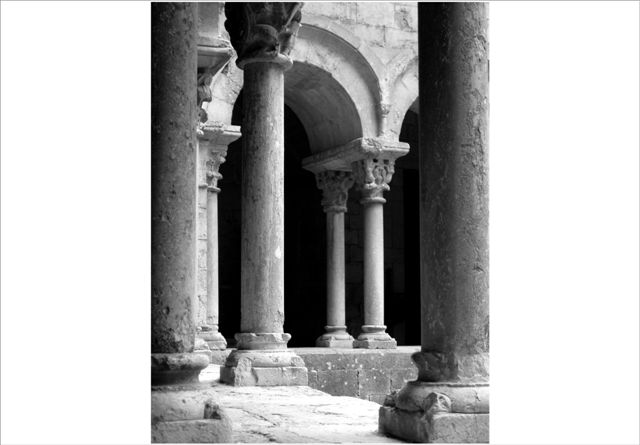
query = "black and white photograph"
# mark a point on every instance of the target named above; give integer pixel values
(333, 222)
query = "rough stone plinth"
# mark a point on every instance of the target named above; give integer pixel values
(438, 428)
(264, 368)
(188, 414)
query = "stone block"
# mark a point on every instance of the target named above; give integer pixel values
(338, 382)
(264, 368)
(372, 381)
(459, 428)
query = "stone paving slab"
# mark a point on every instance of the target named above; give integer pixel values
(295, 414)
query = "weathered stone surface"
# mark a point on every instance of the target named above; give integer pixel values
(192, 431)
(439, 428)
(337, 382)
(369, 374)
(219, 357)
(264, 368)
(454, 195)
(401, 376)
(464, 398)
(177, 368)
(173, 172)
(298, 414)
(189, 414)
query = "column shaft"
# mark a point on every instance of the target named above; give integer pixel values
(212, 258)
(373, 264)
(454, 190)
(449, 402)
(263, 199)
(335, 269)
(173, 192)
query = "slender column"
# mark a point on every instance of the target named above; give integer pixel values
(335, 188)
(449, 402)
(373, 176)
(173, 202)
(209, 331)
(214, 140)
(263, 44)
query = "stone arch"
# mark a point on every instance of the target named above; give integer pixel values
(325, 108)
(403, 94)
(342, 70)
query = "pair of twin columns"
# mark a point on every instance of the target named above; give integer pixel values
(371, 171)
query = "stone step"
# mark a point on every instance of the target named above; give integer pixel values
(295, 414)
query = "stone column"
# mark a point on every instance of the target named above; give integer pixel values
(372, 177)
(213, 148)
(173, 201)
(449, 402)
(178, 412)
(263, 34)
(335, 187)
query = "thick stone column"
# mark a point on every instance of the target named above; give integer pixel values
(373, 175)
(179, 412)
(213, 150)
(335, 187)
(262, 34)
(449, 402)
(173, 202)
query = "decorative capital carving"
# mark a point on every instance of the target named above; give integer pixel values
(335, 187)
(204, 95)
(263, 30)
(212, 172)
(373, 176)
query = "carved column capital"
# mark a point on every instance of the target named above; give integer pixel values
(335, 187)
(263, 31)
(214, 142)
(372, 176)
(212, 172)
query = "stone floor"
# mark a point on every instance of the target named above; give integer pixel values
(296, 414)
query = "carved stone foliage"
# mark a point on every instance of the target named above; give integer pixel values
(372, 176)
(262, 30)
(335, 187)
(212, 172)
(204, 94)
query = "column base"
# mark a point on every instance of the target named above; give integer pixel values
(177, 369)
(445, 412)
(439, 428)
(188, 414)
(375, 337)
(264, 368)
(214, 339)
(335, 337)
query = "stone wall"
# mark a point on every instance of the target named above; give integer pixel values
(386, 27)
(368, 374)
